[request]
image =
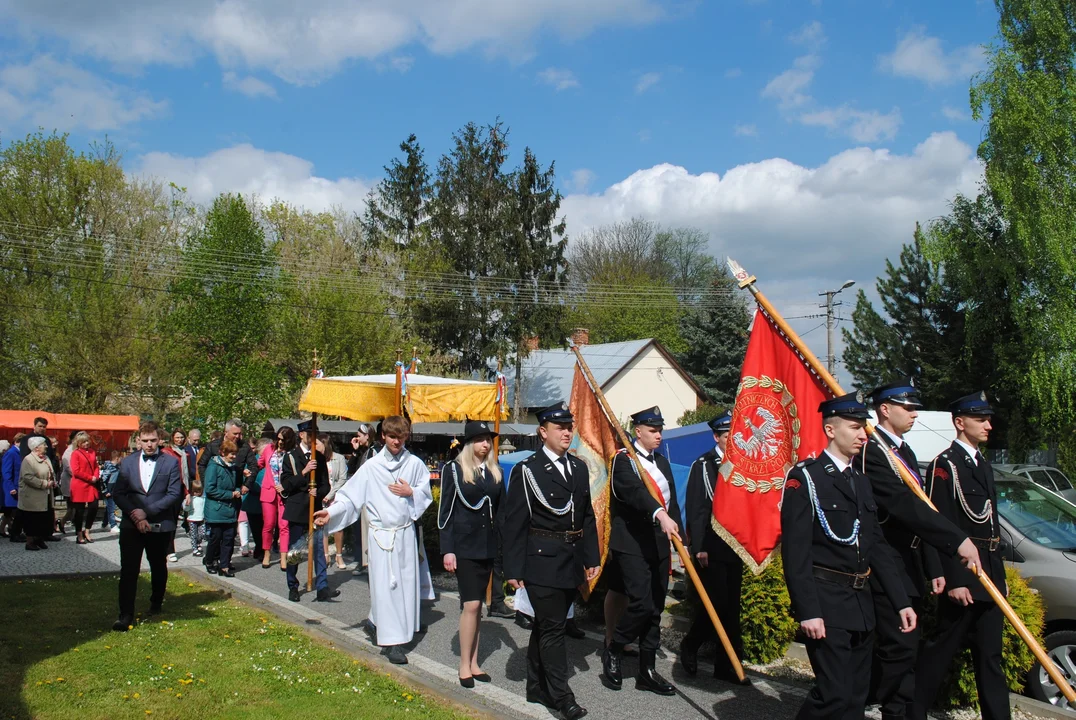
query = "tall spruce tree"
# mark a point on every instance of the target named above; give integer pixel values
(923, 336)
(715, 333)
(398, 206)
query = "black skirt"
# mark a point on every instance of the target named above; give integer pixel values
(473, 577)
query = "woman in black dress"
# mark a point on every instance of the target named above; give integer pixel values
(471, 493)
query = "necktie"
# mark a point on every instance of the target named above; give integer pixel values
(564, 464)
(850, 479)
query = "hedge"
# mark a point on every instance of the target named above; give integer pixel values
(958, 690)
(765, 615)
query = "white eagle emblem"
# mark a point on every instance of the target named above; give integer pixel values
(765, 440)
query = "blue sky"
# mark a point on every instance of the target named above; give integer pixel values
(805, 136)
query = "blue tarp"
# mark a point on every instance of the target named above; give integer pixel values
(685, 445)
(680, 472)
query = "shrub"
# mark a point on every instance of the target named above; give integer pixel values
(765, 615)
(704, 413)
(958, 690)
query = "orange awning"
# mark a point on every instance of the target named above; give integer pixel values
(24, 420)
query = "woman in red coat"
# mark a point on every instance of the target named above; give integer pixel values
(84, 492)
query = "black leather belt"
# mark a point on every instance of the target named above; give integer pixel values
(988, 544)
(856, 581)
(569, 536)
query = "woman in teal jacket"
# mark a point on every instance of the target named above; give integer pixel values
(222, 501)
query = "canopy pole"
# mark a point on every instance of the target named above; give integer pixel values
(398, 402)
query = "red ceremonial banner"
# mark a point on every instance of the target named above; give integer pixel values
(593, 442)
(775, 424)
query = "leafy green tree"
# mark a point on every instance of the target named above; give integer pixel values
(1027, 97)
(224, 304)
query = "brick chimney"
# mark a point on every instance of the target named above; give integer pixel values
(581, 336)
(532, 343)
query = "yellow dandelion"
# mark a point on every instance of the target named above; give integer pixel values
(179, 695)
(136, 696)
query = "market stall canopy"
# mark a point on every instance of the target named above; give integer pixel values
(427, 398)
(24, 420)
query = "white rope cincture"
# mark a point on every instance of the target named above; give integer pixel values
(852, 539)
(706, 482)
(459, 494)
(958, 491)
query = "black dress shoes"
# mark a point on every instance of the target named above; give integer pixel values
(524, 621)
(293, 595)
(500, 610)
(611, 676)
(155, 609)
(648, 678)
(572, 711)
(396, 655)
(123, 624)
(689, 658)
(326, 595)
(467, 682)
(572, 630)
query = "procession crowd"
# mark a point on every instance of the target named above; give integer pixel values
(861, 551)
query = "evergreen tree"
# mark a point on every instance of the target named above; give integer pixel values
(397, 207)
(716, 337)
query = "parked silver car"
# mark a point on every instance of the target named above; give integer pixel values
(1044, 476)
(1039, 528)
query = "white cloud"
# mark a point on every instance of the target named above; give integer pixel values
(745, 131)
(800, 229)
(48, 93)
(249, 85)
(647, 81)
(733, 73)
(922, 57)
(860, 125)
(954, 114)
(308, 41)
(558, 78)
(811, 35)
(789, 88)
(252, 171)
(580, 180)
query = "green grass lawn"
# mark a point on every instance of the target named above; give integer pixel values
(206, 657)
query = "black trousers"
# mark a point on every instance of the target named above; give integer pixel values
(547, 654)
(722, 582)
(841, 664)
(221, 544)
(981, 624)
(646, 583)
(496, 597)
(132, 545)
(893, 664)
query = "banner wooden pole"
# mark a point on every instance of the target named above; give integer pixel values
(685, 559)
(748, 281)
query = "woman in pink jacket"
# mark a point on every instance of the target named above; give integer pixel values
(272, 498)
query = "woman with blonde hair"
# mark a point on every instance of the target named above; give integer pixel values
(84, 492)
(472, 490)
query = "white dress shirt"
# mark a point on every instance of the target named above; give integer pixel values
(841, 466)
(897, 441)
(145, 470)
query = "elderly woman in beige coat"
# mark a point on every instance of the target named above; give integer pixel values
(36, 479)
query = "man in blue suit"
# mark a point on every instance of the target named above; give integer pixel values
(147, 492)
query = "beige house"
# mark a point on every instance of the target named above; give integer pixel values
(634, 375)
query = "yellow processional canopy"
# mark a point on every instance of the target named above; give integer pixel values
(426, 398)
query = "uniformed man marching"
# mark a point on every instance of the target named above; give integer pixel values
(718, 565)
(960, 482)
(550, 545)
(831, 545)
(639, 543)
(915, 534)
